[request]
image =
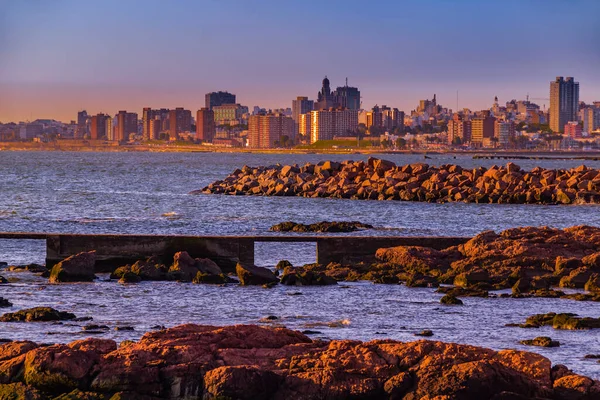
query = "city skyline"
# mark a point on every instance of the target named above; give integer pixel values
(56, 59)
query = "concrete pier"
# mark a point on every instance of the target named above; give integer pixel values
(113, 251)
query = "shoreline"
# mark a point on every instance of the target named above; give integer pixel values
(192, 148)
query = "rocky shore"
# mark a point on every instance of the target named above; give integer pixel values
(378, 179)
(252, 362)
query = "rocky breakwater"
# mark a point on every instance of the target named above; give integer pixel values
(530, 260)
(252, 362)
(378, 179)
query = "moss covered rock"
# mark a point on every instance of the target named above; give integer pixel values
(77, 268)
(542, 341)
(37, 314)
(451, 300)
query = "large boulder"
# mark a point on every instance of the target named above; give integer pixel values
(185, 268)
(77, 268)
(253, 275)
(4, 303)
(37, 314)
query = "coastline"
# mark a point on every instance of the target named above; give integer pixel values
(70, 146)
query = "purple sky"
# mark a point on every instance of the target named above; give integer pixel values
(57, 57)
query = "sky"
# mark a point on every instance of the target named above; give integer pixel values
(58, 57)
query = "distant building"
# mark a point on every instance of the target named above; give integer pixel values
(504, 131)
(270, 130)
(82, 123)
(348, 97)
(342, 97)
(573, 129)
(564, 102)
(302, 105)
(150, 115)
(31, 131)
(482, 128)
(155, 127)
(180, 121)
(127, 123)
(304, 125)
(227, 113)
(98, 128)
(459, 130)
(591, 119)
(218, 99)
(326, 124)
(205, 125)
(428, 107)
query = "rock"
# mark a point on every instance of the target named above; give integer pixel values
(77, 268)
(94, 327)
(37, 314)
(124, 328)
(202, 277)
(382, 180)
(451, 300)
(130, 277)
(593, 284)
(283, 264)
(324, 226)
(577, 278)
(255, 362)
(425, 333)
(151, 269)
(467, 279)
(240, 382)
(562, 321)
(185, 268)
(3, 280)
(19, 391)
(542, 341)
(307, 278)
(33, 268)
(4, 303)
(253, 275)
(463, 292)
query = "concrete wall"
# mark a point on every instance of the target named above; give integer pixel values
(115, 250)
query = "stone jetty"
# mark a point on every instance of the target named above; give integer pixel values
(253, 362)
(378, 179)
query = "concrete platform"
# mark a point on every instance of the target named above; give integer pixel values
(115, 250)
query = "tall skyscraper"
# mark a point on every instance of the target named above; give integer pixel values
(218, 99)
(270, 130)
(325, 99)
(205, 125)
(126, 125)
(180, 121)
(564, 102)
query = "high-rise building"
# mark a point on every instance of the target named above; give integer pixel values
(155, 127)
(218, 99)
(325, 99)
(573, 129)
(482, 128)
(564, 102)
(304, 125)
(205, 125)
(302, 105)
(348, 97)
(126, 125)
(228, 113)
(82, 123)
(591, 119)
(504, 131)
(459, 130)
(180, 121)
(98, 126)
(109, 131)
(150, 115)
(327, 124)
(270, 130)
